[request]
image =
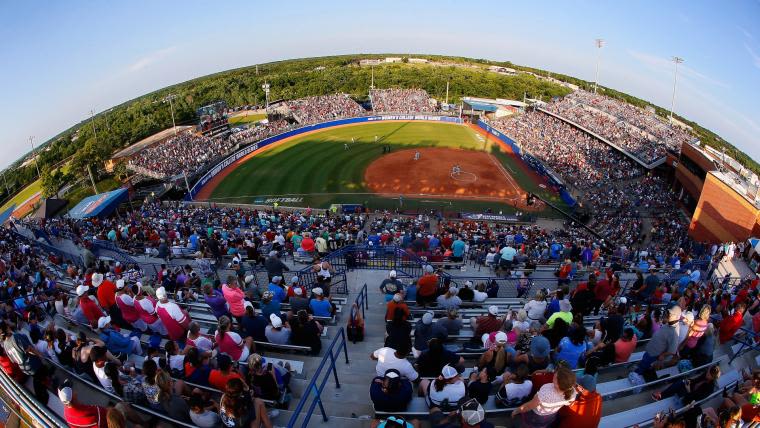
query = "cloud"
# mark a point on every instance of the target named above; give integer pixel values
(753, 54)
(746, 33)
(665, 65)
(150, 59)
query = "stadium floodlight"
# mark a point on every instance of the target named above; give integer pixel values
(168, 99)
(676, 60)
(265, 87)
(599, 44)
(34, 155)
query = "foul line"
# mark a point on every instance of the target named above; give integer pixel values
(511, 180)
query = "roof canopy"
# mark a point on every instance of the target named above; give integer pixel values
(99, 205)
(49, 208)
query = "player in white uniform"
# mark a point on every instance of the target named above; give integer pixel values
(416, 155)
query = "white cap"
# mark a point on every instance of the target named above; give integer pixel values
(161, 293)
(275, 320)
(294, 280)
(120, 284)
(449, 372)
(468, 283)
(298, 291)
(501, 337)
(427, 318)
(623, 300)
(689, 316)
(97, 279)
(674, 313)
(429, 269)
(397, 297)
(65, 394)
(247, 304)
(493, 310)
(453, 290)
(104, 321)
(82, 289)
(392, 274)
(276, 279)
(317, 290)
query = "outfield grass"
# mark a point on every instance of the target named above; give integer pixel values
(238, 120)
(322, 172)
(23, 195)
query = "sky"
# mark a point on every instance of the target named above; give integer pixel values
(59, 60)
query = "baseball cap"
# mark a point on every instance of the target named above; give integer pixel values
(449, 372)
(427, 318)
(429, 269)
(565, 306)
(588, 383)
(623, 300)
(493, 310)
(453, 290)
(97, 279)
(501, 337)
(276, 279)
(472, 412)
(392, 374)
(392, 274)
(674, 313)
(294, 280)
(539, 347)
(318, 291)
(161, 293)
(468, 283)
(120, 284)
(247, 304)
(297, 291)
(103, 321)
(82, 290)
(276, 321)
(65, 394)
(397, 297)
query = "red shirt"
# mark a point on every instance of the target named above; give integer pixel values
(107, 294)
(392, 305)
(218, 380)
(90, 310)
(487, 324)
(427, 285)
(585, 411)
(729, 326)
(84, 416)
(603, 290)
(540, 379)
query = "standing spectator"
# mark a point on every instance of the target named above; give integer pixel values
(391, 286)
(398, 331)
(397, 303)
(275, 266)
(586, 410)
(427, 286)
(731, 323)
(541, 411)
(235, 297)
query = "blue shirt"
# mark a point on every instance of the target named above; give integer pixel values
(555, 249)
(458, 248)
(320, 308)
(270, 308)
(279, 292)
(570, 352)
(433, 243)
(115, 342)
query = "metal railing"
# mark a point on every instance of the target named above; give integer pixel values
(748, 343)
(330, 356)
(362, 300)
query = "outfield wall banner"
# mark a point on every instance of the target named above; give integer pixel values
(489, 217)
(213, 172)
(532, 162)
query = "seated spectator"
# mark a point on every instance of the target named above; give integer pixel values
(564, 313)
(479, 295)
(223, 372)
(398, 331)
(204, 414)
(174, 318)
(215, 300)
(452, 323)
(466, 293)
(172, 403)
(486, 324)
(391, 286)
(253, 325)
(663, 344)
(397, 303)
(586, 410)
(431, 361)
(516, 387)
(498, 355)
(427, 286)
(230, 342)
(542, 410)
(196, 367)
(694, 389)
(77, 414)
(276, 332)
(470, 415)
(238, 408)
(269, 306)
(425, 330)
(319, 306)
(445, 391)
(297, 301)
(306, 331)
(537, 357)
(572, 348)
(536, 307)
(389, 358)
(263, 377)
(115, 341)
(391, 392)
(730, 324)
(449, 299)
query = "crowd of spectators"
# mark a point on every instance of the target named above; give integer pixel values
(635, 130)
(259, 132)
(396, 100)
(323, 108)
(185, 153)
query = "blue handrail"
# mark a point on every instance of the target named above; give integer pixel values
(747, 344)
(362, 300)
(338, 342)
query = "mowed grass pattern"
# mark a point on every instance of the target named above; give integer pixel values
(317, 167)
(319, 162)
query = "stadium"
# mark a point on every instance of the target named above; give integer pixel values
(381, 240)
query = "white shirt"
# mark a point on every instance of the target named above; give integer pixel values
(386, 360)
(100, 373)
(203, 343)
(551, 400)
(479, 296)
(127, 299)
(177, 362)
(518, 390)
(147, 305)
(172, 309)
(452, 391)
(535, 309)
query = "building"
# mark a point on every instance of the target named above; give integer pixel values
(418, 61)
(370, 62)
(503, 70)
(492, 108)
(394, 59)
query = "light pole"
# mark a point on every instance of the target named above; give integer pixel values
(599, 45)
(169, 99)
(676, 60)
(34, 155)
(265, 87)
(372, 82)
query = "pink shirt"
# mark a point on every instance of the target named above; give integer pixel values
(127, 307)
(235, 297)
(146, 308)
(231, 344)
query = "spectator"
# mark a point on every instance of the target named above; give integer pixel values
(306, 331)
(426, 287)
(452, 323)
(223, 372)
(445, 391)
(542, 410)
(663, 344)
(319, 306)
(115, 341)
(425, 330)
(77, 414)
(276, 332)
(731, 323)
(238, 409)
(389, 358)
(516, 387)
(390, 286)
(230, 342)
(172, 316)
(486, 324)
(398, 330)
(431, 361)
(397, 303)
(269, 306)
(390, 392)
(235, 297)
(275, 266)
(586, 410)
(470, 415)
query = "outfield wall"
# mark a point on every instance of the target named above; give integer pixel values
(245, 151)
(531, 161)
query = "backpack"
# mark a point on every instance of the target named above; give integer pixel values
(355, 327)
